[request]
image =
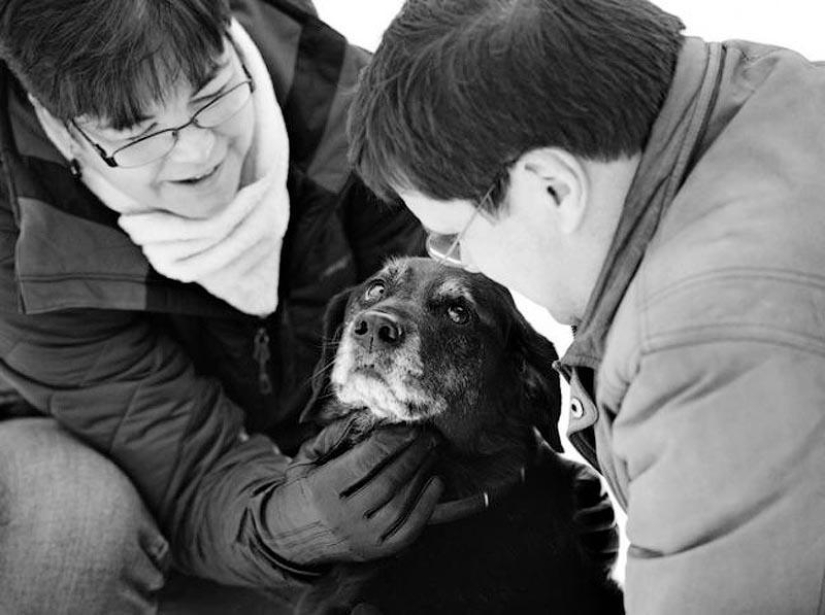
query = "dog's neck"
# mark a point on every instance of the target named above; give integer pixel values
(500, 456)
(503, 462)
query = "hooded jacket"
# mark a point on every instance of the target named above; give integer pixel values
(698, 371)
(160, 376)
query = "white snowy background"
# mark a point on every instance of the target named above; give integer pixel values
(798, 24)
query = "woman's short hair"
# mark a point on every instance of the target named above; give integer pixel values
(458, 90)
(110, 59)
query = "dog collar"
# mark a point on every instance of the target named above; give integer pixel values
(458, 509)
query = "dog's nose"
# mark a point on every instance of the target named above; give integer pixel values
(375, 330)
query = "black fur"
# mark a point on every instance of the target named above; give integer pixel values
(524, 554)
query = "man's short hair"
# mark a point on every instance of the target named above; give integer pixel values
(110, 59)
(458, 90)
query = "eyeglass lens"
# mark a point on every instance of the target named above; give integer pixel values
(447, 248)
(216, 112)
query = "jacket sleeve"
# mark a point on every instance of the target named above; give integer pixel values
(722, 435)
(131, 393)
(124, 387)
(378, 230)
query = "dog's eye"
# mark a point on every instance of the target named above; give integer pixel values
(375, 290)
(458, 314)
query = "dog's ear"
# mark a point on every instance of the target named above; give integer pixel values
(541, 385)
(331, 335)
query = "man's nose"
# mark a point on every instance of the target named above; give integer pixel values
(193, 144)
(376, 330)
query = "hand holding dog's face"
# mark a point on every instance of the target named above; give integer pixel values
(422, 343)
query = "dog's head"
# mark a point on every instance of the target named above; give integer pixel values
(423, 343)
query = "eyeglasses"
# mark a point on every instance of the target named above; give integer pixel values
(156, 145)
(446, 249)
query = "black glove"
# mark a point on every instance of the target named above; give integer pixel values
(595, 519)
(356, 504)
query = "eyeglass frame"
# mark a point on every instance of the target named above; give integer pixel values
(109, 159)
(446, 257)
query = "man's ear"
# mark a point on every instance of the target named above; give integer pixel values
(560, 179)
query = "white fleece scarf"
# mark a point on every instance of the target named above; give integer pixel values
(235, 255)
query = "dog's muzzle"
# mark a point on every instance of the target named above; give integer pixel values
(378, 366)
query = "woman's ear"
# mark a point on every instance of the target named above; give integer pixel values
(561, 180)
(58, 133)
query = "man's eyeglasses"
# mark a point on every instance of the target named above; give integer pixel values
(156, 145)
(446, 249)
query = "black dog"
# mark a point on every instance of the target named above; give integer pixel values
(519, 529)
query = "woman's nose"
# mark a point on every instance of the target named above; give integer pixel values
(193, 144)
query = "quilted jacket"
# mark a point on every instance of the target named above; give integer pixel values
(161, 376)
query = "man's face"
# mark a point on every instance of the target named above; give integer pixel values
(519, 247)
(202, 173)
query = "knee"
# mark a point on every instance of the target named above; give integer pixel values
(65, 507)
(66, 491)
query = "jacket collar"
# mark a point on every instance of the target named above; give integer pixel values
(665, 163)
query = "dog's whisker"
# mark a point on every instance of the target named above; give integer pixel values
(327, 367)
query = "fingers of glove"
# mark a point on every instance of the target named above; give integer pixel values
(388, 506)
(326, 444)
(588, 486)
(602, 547)
(384, 463)
(595, 518)
(598, 531)
(396, 519)
(418, 507)
(605, 542)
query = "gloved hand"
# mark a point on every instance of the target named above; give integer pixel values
(357, 504)
(595, 519)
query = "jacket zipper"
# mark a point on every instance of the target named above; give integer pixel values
(260, 353)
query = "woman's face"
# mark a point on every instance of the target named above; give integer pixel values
(202, 172)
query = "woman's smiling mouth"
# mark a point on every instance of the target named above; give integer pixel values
(199, 178)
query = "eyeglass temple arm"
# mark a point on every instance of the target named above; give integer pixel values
(109, 160)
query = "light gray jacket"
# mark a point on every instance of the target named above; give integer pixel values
(704, 344)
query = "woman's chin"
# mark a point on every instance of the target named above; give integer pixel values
(206, 198)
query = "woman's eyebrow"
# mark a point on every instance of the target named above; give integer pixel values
(125, 132)
(208, 78)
